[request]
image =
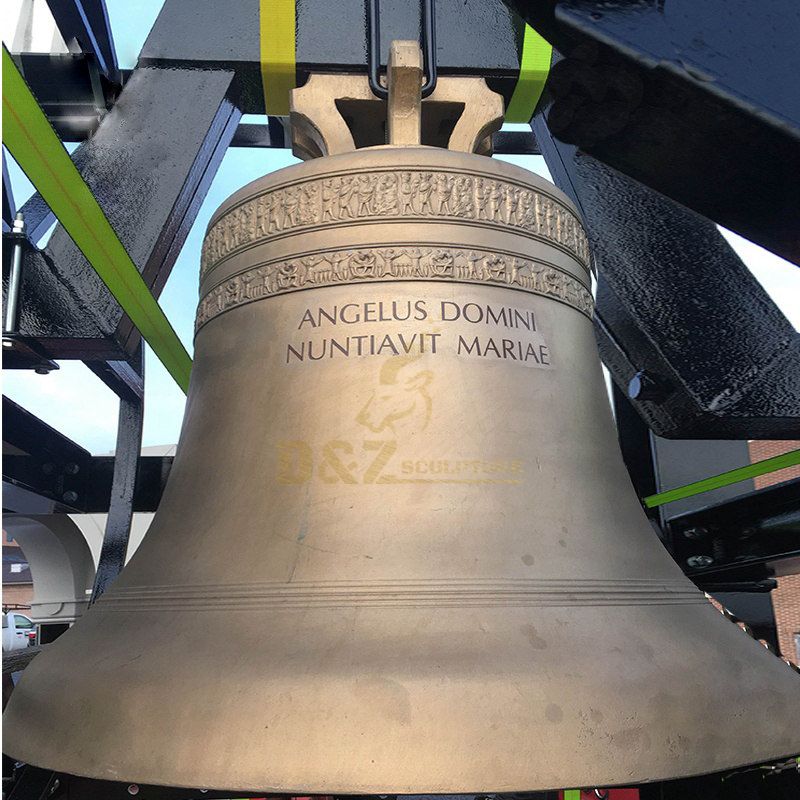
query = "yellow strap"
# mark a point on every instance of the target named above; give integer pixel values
(533, 70)
(277, 26)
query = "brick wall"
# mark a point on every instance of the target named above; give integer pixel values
(786, 602)
(762, 450)
(17, 594)
(786, 598)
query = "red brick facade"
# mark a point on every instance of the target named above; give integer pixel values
(17, 594)
(786, 598)
(786, 602)
(759, 451)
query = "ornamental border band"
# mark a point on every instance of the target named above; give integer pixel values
(425, 194)
(376, 264)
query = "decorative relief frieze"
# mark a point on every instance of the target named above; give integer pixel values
(393, 263)
(385, 195)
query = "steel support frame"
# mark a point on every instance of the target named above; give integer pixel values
(677, 309)
(9, 207)
(120, 511)
(740, 541)
(163, 143)
(85, 27)
(695, 100)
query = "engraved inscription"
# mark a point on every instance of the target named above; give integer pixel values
(394, 263)
(381, 195)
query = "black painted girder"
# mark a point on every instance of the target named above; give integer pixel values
(38, 217)
(123, 487)
(42, 461)
(91, 486)
(149, 164)
(72, 93)
(25, 434)
(474, 37)
(699, 100)
(85, 23)
(9, 207)
(676, 303)
(739, 539)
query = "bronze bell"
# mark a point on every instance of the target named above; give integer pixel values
(399, 552)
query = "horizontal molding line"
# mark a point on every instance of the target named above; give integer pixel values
(450, 594)
(33, 143)
(790, 459)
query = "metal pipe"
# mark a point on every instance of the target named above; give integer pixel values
(15, 278)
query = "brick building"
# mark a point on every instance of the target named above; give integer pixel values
(786, 598)
(17, 580)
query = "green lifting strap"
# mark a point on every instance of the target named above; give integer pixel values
(534, 67)
(33, 143)
(790, 459)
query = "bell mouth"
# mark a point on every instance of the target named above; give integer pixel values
(384, 696)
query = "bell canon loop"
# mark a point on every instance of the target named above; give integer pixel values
(399, 551)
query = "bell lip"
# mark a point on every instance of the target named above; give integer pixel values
(305, 790)
(312, 168)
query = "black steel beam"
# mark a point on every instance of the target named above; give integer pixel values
(46, 471)
(38, 217)
(41, 461)
(150, 164)
(85, 27)
(9, 207)
(475, 37)
(71, 91)
(698, 100)
(739, 539)
(123, 486)
(28, 489)
(677, 309)
(515, 143)
(26, 434)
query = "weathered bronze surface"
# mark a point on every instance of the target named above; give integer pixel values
(399, 552)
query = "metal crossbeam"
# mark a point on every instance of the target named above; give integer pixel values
(36, 148)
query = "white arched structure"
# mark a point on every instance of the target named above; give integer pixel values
(61, 564)
(62, 551)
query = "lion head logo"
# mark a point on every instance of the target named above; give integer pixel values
(401, 402)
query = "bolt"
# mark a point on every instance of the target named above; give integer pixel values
(71, 468)
(695, 533)
(643, 386)
(69, 497)
(48, 468)
(696, 562)
(133, 789)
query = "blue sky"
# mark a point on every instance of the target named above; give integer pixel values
(75, 402)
